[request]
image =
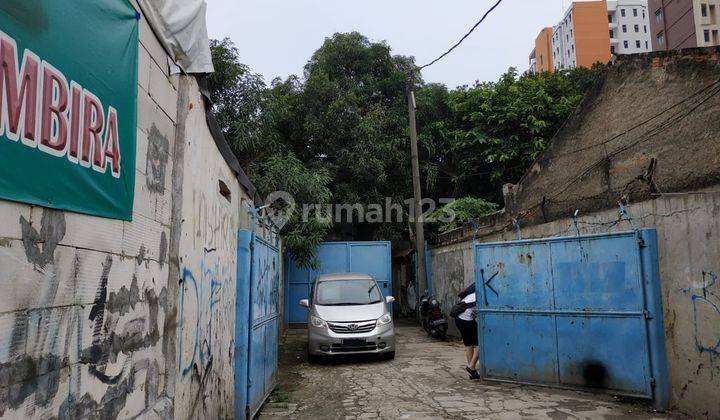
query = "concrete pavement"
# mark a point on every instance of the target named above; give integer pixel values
(426, 380)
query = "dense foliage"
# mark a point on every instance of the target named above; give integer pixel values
(340, 132)
(459, 212)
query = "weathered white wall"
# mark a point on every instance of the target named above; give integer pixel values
(104, 318)
(208, 272)
(83, 307)
(689, 244)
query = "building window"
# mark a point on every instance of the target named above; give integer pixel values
(661, 38)
(637, 28)
(622, 12)
(647, 45)
(637, 44)
(659, 16)
(612, 34)
(645, 28)
(706, 33)
(624, 28)
(635, 12)
(643, 13)
(612, 49)
(610, 18)
(704, 10)
(625, 44)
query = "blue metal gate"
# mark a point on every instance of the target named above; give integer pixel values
(574, 312)
(257, 321)
(373, 258)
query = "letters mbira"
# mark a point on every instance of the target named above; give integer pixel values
(41, 108)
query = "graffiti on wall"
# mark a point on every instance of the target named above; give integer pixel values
(706, 313)
(48, 337)
(212, 222)
(202, 320)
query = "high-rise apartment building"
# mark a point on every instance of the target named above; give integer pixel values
(677, 24)
(591, 31)
(629, 22)
(541, 58)
(581, 38)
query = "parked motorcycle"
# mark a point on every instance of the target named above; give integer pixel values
(433, 321)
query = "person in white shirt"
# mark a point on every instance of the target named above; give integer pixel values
(467, 325)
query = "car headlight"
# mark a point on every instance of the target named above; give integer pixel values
(385, 319)
(317, 322)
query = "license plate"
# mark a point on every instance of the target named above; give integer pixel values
(354, 342)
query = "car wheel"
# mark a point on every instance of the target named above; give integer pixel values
(389, 355)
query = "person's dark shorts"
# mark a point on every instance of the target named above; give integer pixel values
(468, 330)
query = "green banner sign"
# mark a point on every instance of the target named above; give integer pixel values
(68, 99)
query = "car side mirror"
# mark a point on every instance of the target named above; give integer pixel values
(389, 299)
(305, 303)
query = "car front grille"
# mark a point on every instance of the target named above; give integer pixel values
(339, 348)
(352, 327)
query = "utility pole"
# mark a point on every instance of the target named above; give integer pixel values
(419, 228)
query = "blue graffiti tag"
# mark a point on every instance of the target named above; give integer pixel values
(711, 301)
(207, 299)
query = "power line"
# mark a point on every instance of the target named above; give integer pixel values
(464, 37)
(640, 124)
(641, 139)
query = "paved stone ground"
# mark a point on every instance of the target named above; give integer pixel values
(426, 380)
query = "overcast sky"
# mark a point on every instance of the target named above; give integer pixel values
(277, 37)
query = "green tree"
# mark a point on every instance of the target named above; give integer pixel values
(459, 212)
(351, 120)
(499, 128)
(340, 131)
(251, 117)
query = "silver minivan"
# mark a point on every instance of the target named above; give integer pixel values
(347, 314)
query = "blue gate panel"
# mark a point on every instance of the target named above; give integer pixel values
(294, 311)
(271, 352)
(333, 258)
(256, 376)
(521, 356)
(264, 318)
(242, 313)
(373, 258)
(574, 311)
(598, 274)
(517, 278)
(603, 352)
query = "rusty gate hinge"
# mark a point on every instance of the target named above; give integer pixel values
(647, 315)
(641, 242)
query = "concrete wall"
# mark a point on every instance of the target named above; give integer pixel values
(688, 231)
(662, 158)
(208, 270)
(103, 318)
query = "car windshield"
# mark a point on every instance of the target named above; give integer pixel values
(347, 292)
